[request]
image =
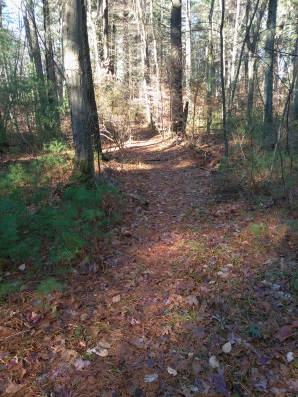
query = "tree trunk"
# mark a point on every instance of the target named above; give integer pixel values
(176, 68)
(269, 136)
(295, 66)
(94, 123)
(252, 43)
(51, 75)
(35, 55)
(234, 53)
(73, 47)
(1, 9)
(3, 132)
(188, 50)
(210, 73)
(222, 78)
(142, 23)
(105, 29)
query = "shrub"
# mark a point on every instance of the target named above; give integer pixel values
(39, 220)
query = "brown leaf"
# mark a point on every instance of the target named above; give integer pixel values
(5, 331)
(167, 329)
(79, 364)
(69, 355)
(13, 388)
(116, 298)
(293, 385)
(284, 333)
(139, 342)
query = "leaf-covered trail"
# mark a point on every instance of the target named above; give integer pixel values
(192, 295)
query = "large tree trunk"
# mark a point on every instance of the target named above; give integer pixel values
(176, 68)
(269, 136)
(94, 123)
(73, 47)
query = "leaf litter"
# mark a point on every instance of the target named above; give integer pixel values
(184, 299)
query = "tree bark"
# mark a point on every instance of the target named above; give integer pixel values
(295, 66)
(210, 73)
(105, 29)
(73, 47)
(269, 136)
(252, 40)
(35, 55)
(94, 122)
(176, 68)
(51, 75)
(222, 78)
(188, 51)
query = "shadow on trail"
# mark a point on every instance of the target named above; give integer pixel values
(192, 295)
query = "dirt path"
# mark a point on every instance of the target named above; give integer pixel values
(191, 295)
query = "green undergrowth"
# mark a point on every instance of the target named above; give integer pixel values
(44, 219)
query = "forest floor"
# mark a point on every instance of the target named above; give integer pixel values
(192, 295)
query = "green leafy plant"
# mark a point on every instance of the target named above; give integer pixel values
(50, 285)
(254, 331)
(35, 222)
(9, 288)
(294, 281)
(258, 229)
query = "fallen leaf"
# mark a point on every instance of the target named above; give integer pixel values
(116, 298)
(84, 317)
(284, 333)
(172, 371)
(133, 321)
(79, 364)
(192, 300)
(150, 378)
(220, 384)
(139, 342)
(278, 392)
(196, 367)
(104, 344)
(227, 347)
(262, 384)
(102, 353)
(290, 357)
(69, 355)
(166, 330)
(213, 361)
(293, 385)
(188, 391)
(99, 351)
(13, 388)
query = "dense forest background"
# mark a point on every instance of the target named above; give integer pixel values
(198, 69)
